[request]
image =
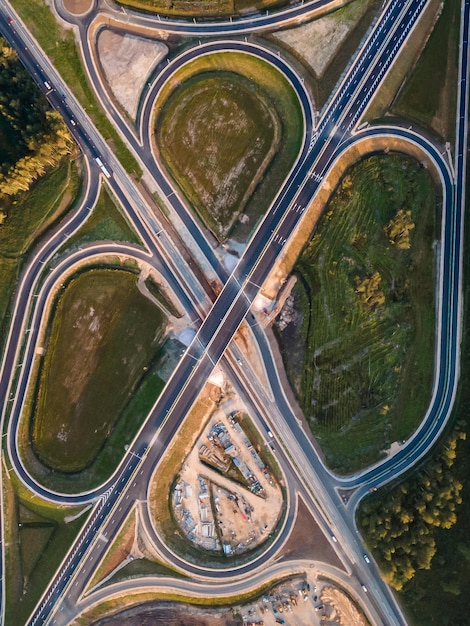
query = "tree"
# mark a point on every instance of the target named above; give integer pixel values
(398, 229)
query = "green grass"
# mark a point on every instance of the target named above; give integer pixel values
(431, 90)
(103, 333)
(125, 428)
(106, 223)
(160, 297)
(33, 541)
(363, 372)
(439, 596)
(204, 8)
(217, 137)
(25, 559)
(28, 217)
(59, 45)
(31, 213)
(143, 567)
(270, 86)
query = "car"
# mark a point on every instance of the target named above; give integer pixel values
(270, 434)
(364, 588)
(334, 538)
(9, 20)
(366, 558)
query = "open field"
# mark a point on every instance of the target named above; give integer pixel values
(360, 353)
(132, 416)
(203, 8)
(103, 334)
(269, 85)
(28, 568)
(429, 94)
(217, 137)
(28, 217)
(59, 45)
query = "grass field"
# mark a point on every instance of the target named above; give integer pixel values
(106, 223)
(269, 86)
(29, 559)
(203, 8)
(361, 356)
(59, 45)
(217, 137)
(429, 95)
(103, 334)
(28, 216)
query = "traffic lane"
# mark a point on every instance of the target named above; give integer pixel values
(256, 21)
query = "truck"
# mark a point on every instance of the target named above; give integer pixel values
(102, 167)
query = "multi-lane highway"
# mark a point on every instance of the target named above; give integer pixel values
(218, 323)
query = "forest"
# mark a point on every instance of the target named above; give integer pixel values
(34, 138)
(401, 525)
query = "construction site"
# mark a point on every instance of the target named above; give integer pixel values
(227, 498)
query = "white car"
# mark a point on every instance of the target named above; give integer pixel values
(334, 538)
(366, 558)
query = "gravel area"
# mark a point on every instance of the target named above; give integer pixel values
(78, 7)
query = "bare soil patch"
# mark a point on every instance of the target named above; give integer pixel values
(127, 61)
(338, 609)
(226, 498)
(78, 7)
(317, 42)
(307, 540)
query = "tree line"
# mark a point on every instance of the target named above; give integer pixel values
(42, 137)
(400, 525)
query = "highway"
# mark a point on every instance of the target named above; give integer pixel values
(318, 156)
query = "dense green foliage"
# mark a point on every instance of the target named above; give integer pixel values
(361, 355)
(399, 525)
(42, 138)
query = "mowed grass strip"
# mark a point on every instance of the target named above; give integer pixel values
(103, 334)
(361, 360)
(217, 137)
(429, 95)
(203, 8)
(277, 94)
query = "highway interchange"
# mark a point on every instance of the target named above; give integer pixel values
(217, 319)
